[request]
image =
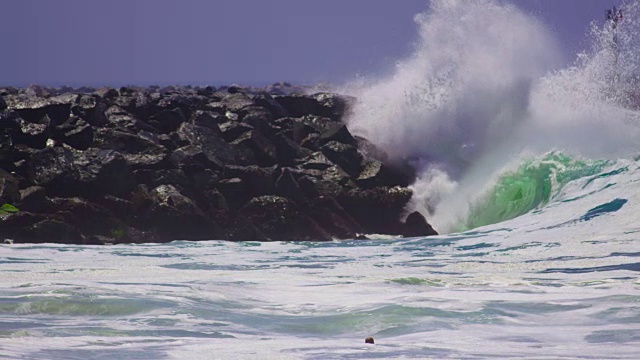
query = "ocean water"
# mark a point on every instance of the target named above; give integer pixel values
(528, 168)
(558, 282)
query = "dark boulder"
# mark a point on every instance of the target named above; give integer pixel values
(91, 109)
(279, 219)
(83, 215)
(378, 210)
(416, 225)
(75, 132)
(34, 135)
(34, 199)
(49, 231)
(167, 121)
(34, 109)
(177, 217)
(345, 156)
(86, 174)
(208, 119)
(138, 151)
(211, 142)
(263, 151)
(9, 192)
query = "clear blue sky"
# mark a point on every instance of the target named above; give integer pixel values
(114, 42)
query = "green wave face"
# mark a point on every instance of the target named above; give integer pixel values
(532, 185)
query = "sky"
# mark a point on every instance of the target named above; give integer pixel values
(249, 42)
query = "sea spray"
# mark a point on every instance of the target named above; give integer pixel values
(483, 87)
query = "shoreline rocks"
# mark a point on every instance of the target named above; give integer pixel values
(134, 165)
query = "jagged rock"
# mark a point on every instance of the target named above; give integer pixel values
(9, 192)
(235, 102)
(234, 191)
(278, 218)
(85, 174)
(287, 186)
(268, 102)
(263, 150)
(138, 151)
(91, 109)
(178, 218)
(167, 121)
(375, 173)
(416, 225)
(334, 218)
(119, 118)
(48, 230)
(82, 214)
(301, 105)
(345, 156)
(287, 151)
(231, 130)
(237, 164)
(192, 159)
(256, 180)
(75, 132)
(210, 141)
(34, 109)
(377, 210)
(34, 199)
(34, 135)
(208, 119)
(338, 133)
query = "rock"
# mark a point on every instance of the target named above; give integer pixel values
(91, 109)
(377, 210)
(35, 135)
(119, 118)
(9, 193)
(49, 231)
(75, 132)
(208, 119)
(231, 130)
(192, 159)
(34, 199)
(338, 133)
(345, 156)
(82, 215)
(34, 109)
(85, 174)
(237, 164)
(256, 180)
(139, 152)
(211, 142)
(167, 121)
(416, 225)
(278, 218)
(375, 174)
(369, 340)
(262, 149)
(178, 218)
(287, 186)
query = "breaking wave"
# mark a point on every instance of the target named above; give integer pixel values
(484, 92)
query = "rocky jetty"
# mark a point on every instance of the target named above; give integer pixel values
(133, 165)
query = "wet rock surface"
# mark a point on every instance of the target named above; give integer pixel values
(135, 165)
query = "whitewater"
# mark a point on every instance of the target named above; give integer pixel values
(528, 168)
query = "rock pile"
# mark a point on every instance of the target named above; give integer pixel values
(155, 165)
